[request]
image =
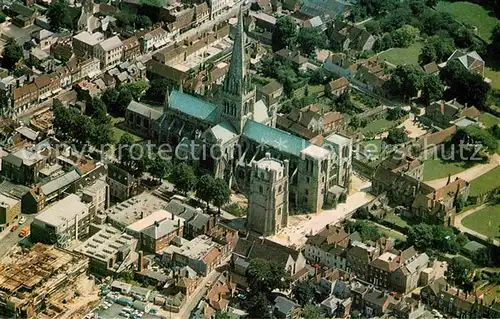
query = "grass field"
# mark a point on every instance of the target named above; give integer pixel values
(396, 220)
(118, 132)
(471, 14)
(494, 76)
(399, 56)
(377, 126)
(488, 119)
(437, 168)
(486, 221)
(485, 183)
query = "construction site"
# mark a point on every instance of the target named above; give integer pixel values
(44, 282)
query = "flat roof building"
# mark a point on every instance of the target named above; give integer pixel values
(109, 251)
(66, 220)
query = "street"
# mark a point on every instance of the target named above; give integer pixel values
(9, 239)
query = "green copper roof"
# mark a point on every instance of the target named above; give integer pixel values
(193, 106)
(275, 138)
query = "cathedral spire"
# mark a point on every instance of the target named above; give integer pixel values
(235, 82)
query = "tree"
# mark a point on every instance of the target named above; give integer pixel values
(373, 27)
(159, 167)
(221, 193)
(97, 110)
(12, 53)
(433, 89)
(431, 3)
(102, 135)
(303, 292)
(85, 128)
(397, 135)
(436, 49)
(205, 189)
(58, 15)
(396, 113)
(122, 102)
(309, 39)
(123, 148)
(157, 90)
(109, 97)
(366, 230)
(311, 311)
(405, 36)
(459, 270)
(259, 306)
(137, 89)
(406, 82)
(494, 47)
(143, 22)
(343, 103)
(376, 7)
(222, 315)
(266, 275)
(284, 34)
(183, 178)
(125, 19)
(484, 257)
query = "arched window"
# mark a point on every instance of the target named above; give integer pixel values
(280, 188)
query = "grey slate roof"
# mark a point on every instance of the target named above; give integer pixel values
(60, 182)
(284, 305)
(143, 110)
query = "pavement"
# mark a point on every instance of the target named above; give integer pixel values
(301, 225)
(413, 127)
(469, 174)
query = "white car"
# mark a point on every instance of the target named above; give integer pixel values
(22, 220)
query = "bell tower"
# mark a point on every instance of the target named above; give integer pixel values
(237, 97)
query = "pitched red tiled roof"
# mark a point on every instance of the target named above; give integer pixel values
(338, 83)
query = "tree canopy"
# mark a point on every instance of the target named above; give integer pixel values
(266, 275)
(309, 39)
(433, 89)
(459, 271)
(406, 82)
(12, 53)
(58, 15)
(303, 292)
(183, 178)
(437, 237)
(397, 135)
(205, 189)
(436, 49)
(220, 193)
(284, 34)
(366, 230)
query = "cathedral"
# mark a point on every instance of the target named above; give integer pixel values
(227, 135)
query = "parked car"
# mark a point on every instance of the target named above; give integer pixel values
(22, 220)
(14, 228)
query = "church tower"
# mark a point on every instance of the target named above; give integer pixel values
(237, 97)
(268, 197)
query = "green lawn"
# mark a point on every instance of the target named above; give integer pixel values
(471, 14)
(399, 56)
(494, 76)
(377, 126)
(118, 132)
(486, 221)
(488, 119)
(437, 168)
(313, 89)
(396, 220)
(485, 182)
